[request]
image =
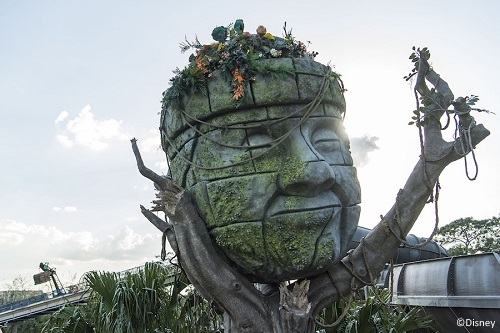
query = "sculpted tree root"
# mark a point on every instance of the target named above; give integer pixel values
(293, 308)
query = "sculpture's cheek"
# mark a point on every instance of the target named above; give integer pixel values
(284, 247)
(347, 185)
(234, 200)
(243, 243)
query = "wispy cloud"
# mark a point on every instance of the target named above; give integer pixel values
(361, 147)
(61, 117)
(151, 143)
(68, 209)
(78, 249)
(87, 131)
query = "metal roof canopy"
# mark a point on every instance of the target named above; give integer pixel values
(471, 281)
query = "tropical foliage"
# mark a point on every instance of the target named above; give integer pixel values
(156, 298)
(373, 314)
(159, 299)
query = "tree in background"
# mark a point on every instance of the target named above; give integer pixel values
(20, 288)
(470, 236)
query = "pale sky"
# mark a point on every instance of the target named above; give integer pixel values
(78, 80)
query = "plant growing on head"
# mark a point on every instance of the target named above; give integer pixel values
(235, 53)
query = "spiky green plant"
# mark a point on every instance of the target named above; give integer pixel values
(155, 298)
(373, 315)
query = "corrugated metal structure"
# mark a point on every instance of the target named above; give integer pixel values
(463, 292)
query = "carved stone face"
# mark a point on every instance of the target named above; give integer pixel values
(285, 204)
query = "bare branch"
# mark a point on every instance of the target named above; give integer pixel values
(440, 85)
(423, 69)
(163, 226)
(146, 172)
(170, 192)
(155, 220)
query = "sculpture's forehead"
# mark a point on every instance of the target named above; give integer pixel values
(254, 136)
(177, 122)
(311, 90)
(276, 114)
(206, 152)
(221, 154)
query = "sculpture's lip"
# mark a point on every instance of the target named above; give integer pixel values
(283, 205)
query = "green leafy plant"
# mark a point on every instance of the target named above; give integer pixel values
(155, 298)
(431, 103)
(469, 236)
(415, 59)
(373, 314)
(235, 52)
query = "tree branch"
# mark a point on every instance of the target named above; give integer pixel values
(212, 276)
(170, 192)
(370, 257)
(146, 172)
(164, 226)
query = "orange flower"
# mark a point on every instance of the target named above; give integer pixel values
(199, 63)
(238, 92)
(237, 76)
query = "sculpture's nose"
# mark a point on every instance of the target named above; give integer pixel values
(304, 173)
(308, 179)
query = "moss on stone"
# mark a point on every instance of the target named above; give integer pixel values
(307, 65)
(291, 242)
(290, 246)
(220, 92)
(179, 167)
(210, 154)
(239, 199)
(243, 244)
(200, 197)
(197, 106)
(331, 110)
(268, 90)
(292, 171)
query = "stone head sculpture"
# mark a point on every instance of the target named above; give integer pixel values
(262, 181)
(262, 150)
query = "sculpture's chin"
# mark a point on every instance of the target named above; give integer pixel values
(289, 246)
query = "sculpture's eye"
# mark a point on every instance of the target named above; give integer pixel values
(325, 140)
